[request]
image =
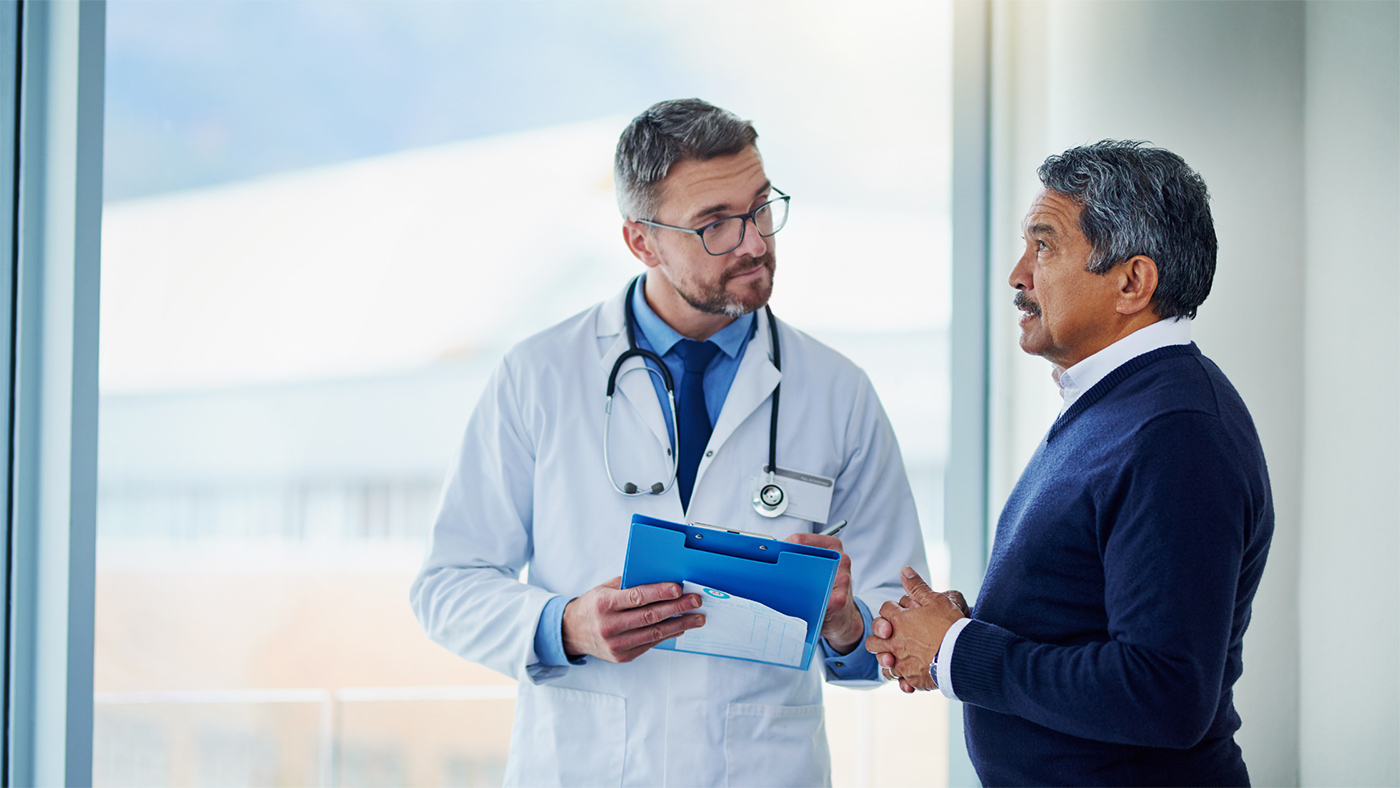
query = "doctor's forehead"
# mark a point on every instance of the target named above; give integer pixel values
(724, 181)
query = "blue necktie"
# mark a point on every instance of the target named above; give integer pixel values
(693, 431)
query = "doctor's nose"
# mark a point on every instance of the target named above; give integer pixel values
(754, 244)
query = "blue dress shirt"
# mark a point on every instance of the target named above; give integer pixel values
(656, 335)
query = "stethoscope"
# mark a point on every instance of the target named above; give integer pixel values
(769, 499)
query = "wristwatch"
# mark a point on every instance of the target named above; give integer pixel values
(933, 672)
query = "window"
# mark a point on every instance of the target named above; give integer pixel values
(321, 231)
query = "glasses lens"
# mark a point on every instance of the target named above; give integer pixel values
(770, 218)
(724, 236)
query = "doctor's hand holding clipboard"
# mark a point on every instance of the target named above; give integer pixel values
(842, 627)
(619, 625)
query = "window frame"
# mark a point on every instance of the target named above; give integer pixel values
(967, 512)
(57, 50)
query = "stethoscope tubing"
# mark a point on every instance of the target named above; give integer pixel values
(607, 424)
(668, 382)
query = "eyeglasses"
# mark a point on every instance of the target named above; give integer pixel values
(724, 235)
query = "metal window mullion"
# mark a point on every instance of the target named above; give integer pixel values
(54, 475)
(10, 16)
(966, 483)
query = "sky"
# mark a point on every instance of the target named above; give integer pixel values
(207, 91)
(201, 92)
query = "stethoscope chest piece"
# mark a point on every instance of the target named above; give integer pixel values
(770, 500)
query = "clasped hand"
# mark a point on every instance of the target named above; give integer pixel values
(906, 637)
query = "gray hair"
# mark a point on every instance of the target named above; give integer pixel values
(1140, 200)
(667, 133)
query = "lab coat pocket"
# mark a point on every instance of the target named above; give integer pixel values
(569, 737)
(776, 745)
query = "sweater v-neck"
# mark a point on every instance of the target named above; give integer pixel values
(1112, 379)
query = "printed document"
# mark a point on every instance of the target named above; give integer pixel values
(739, 627)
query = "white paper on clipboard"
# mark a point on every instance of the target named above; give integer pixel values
(743, 628)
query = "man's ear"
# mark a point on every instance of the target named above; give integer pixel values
(640, 243)
(1137, 284)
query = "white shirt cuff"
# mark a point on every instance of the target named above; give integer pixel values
(944, 679)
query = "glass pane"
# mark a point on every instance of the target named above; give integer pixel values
(325, 222)
(226, 739)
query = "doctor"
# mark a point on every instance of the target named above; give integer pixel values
(547, 479)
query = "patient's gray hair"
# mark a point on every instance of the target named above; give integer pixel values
(1139, 200)
(667, 133)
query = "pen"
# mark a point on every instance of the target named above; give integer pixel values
(835, 529)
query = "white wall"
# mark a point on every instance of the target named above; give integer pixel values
(1349, 600)
(1265, 100)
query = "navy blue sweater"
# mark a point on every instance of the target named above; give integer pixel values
(1106, 636)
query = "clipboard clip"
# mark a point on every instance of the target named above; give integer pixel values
(732, 531)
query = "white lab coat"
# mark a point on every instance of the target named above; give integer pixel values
(529, 488)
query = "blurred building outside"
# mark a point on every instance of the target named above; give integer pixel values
(287, 365)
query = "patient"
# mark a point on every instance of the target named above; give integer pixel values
(1107, 633)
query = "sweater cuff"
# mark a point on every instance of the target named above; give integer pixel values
(978, 664)
(942, 667)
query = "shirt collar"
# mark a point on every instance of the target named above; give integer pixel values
(1087, 373)
(662, 337)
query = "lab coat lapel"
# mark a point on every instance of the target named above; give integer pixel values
(634, 388)
(754, 382)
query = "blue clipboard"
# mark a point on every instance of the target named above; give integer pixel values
(793, 579)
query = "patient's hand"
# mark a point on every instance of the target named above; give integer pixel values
(907, 636)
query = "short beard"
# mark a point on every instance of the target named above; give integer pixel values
(719, 301)
(1026, 304)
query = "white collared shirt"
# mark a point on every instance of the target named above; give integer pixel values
(1073, 383)
(1086, 374)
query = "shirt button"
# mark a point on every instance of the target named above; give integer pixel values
(710, 453)
(839, 664)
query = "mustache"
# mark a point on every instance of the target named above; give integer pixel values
(766, 260)
(1026, 304)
